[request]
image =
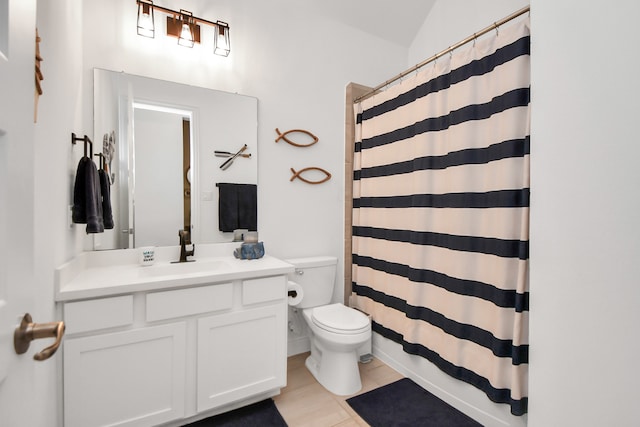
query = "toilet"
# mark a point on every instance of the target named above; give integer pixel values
(338, 333)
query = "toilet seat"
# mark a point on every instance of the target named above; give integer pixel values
(339, 319)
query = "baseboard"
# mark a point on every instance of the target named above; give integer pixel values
(298, 345)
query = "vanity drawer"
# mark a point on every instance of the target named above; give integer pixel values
(187, 302)
(103, 313)
(265, 289)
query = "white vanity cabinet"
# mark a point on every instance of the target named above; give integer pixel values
(153, 357)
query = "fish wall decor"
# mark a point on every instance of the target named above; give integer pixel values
(298, 175)
(306, 132)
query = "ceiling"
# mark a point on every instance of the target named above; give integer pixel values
(397, 21)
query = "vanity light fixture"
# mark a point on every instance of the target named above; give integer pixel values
(184, 28)
(183, 25)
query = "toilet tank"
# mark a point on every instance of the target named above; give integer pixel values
(316, 275)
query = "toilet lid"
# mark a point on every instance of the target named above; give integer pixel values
(340, 319)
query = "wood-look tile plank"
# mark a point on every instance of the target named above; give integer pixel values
(305, 403)
(298, 377)
(382, 375)
(311, 406)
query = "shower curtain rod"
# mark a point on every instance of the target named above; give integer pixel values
(450, 49)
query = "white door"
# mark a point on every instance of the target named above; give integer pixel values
(18, 374)
(158, 141)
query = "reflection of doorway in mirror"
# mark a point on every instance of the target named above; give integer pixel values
(159, 175)
(186, 184)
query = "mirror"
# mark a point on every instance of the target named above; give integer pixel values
(164, 144)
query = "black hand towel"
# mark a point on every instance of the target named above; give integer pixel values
(79, 211)
(105, 190)
(237, 206)
(87, 202)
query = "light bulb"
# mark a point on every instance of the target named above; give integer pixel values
(145, 25)
(186, 37)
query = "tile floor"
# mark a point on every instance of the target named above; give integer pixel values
(305, 403)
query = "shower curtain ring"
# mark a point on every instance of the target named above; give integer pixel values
(495, 24)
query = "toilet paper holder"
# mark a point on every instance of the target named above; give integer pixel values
(295, 293)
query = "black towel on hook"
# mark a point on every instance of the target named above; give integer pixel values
(87, 201)
(237, 207)
(105, 190)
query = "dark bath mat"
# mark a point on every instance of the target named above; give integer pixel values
(263, 414)
(406, 404)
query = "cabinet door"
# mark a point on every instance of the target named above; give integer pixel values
(241, 354)
(131, 378)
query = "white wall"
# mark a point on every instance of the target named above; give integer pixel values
(297, 64)
(451, 21)
(585, 237)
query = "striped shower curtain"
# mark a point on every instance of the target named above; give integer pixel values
(441, 214)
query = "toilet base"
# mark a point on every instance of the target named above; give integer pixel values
(334, 356)
(337, 372)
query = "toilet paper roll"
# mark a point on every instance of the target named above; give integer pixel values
(295, 293)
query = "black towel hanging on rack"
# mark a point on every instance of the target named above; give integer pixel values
(105, 194)
(237, 207)
(87, 196)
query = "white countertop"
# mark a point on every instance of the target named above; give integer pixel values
(104, 273)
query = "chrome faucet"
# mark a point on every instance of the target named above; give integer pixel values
(184, 252)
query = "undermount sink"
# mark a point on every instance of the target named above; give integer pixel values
(182, 268)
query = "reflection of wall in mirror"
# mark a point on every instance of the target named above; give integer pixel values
(105, 121)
